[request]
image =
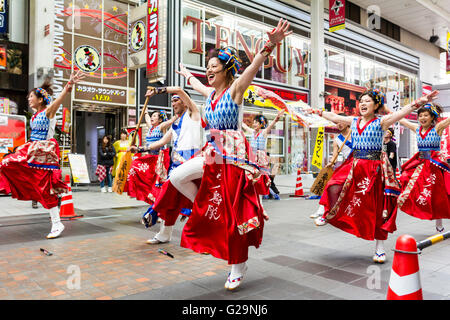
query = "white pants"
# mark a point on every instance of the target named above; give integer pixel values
(182, 179)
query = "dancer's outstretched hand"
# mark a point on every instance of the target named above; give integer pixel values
(183, 71)
(150, 92)
(280, 32)
(77, 76)
(426, 99)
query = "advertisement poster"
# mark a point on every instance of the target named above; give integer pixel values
(79, 169)
(337, 15)
(12, 132)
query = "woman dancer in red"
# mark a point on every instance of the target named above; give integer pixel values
(33, 170)
(227, 216)
(425, 174)
(149, 172)
(365, 205)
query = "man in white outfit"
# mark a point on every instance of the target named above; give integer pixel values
(185, 135)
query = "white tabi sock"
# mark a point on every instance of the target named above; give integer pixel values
(165, 232)
(237, 270)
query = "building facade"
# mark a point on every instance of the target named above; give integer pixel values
(354, 59)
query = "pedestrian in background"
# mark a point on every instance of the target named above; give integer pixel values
(390, 147)
(120, 146)
(106, 154)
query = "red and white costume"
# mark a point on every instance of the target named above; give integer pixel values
(366, 206)
(33, 172)
(423, 179)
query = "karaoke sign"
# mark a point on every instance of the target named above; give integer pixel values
(152, 37)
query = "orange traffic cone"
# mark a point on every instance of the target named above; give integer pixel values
(404, 283)
(67, 211)
(299, 186)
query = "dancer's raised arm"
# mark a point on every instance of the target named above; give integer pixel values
(195, 112)
(245, 79)
(75, 77)
(393, 117)
(196, 84)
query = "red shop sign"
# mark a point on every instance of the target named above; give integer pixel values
(152, 37)
(336, 15)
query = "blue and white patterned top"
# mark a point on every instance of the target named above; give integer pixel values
(258, 142)
(369, 139)
(226, 113)
(40, 126)
(154, 134)
(431, 141)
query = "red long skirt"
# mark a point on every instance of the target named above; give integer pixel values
(227, 216)
(366, 206)
(146, 175)
(423, 194)
(33, 173)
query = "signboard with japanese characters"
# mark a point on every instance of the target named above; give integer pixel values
(100, 94)
(156, 40)
(393, 103)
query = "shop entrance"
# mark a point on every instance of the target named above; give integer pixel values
(88, 131)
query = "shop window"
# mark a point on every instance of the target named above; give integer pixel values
(207, 28)
(352, 12)
(388, 29)
(367, 73)
(352, 70)
(392, 81)
(380, 78)
(336, 68)
(404, 88)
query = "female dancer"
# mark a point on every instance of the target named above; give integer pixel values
(424, 175)
(258, 138)
(341, 171)
(149, 172)
(258, 141)
(365, 204)
(120, 146)
(33, 170)
(227, 216)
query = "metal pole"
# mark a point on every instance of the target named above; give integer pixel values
(432, 240)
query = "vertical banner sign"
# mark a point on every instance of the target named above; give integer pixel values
(448, 54)
(318, 149)
(445, 143)
(152, 37)
(336, 15)
(3, 16)
(393, 103)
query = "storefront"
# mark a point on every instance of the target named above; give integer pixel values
(353, 62)
(285, 72)
(92, 36)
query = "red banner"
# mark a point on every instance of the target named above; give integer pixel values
(152, 37)
(336, 15)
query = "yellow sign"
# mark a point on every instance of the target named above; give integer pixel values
(318, 149)
(448, 54)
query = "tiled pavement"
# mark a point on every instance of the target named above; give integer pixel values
(296, 261)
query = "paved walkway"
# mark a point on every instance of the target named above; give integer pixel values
(104, 256)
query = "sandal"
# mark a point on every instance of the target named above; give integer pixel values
(379, 257)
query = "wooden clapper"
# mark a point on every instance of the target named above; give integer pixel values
(325, 174)
(125, 161)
